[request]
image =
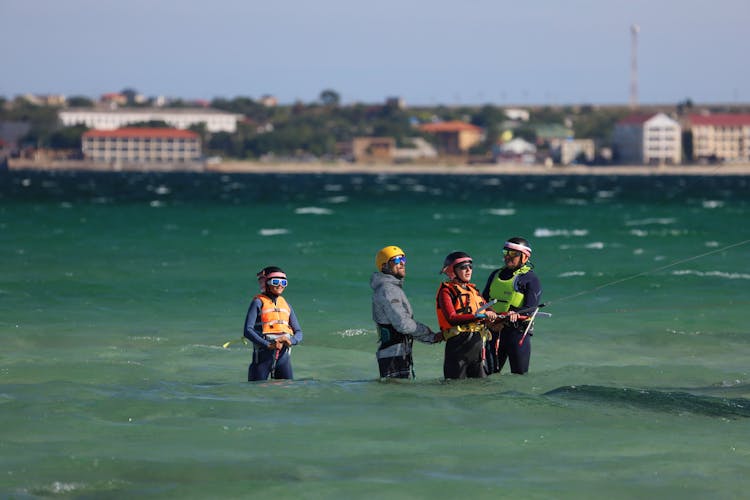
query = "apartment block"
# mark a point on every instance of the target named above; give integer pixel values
(182, 118)
(648, 140)
(722, 137)
(141, 145)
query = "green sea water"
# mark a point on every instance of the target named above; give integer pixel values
(118, 290)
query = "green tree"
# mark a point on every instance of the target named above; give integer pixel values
(330, 98)
(78, 101)
(67, 137)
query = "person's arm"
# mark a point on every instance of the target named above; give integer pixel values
(398, 311)
(296, 328)
(531, 288)
(251, 319)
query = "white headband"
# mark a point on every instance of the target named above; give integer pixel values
(519, 247)
(275, 274)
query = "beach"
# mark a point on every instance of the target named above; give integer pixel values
(316, 167)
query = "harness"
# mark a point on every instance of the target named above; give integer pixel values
(389, 336)
(506, 291)
(465, 300)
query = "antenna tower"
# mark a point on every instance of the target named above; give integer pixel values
(634, 29)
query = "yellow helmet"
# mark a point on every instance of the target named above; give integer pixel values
(385, 254)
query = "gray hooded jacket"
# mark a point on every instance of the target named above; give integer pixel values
(391, 307)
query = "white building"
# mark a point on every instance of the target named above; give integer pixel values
(570, 151)
(721, 137)
(182, 118)
(648, 140)
(141, 145)
(515, 151)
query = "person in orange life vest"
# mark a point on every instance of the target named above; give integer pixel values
(462, 324)
(272, 327)
(517, 288)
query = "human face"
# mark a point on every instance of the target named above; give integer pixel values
(276, 285)
(397, 266)
(514, 259)
(463, 271)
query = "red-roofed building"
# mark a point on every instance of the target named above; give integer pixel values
(114, 98)
(654, 139)
(141, 145)
(454, 137)
(724, 137)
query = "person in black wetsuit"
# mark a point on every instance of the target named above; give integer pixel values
(516, 287)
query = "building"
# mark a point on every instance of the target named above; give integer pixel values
(181, 118)
(141, 145)
(573, 151)
(515, 151)
(269, 101)
(45, 100)
(654, 139)
(721, 137)
(454, 137)
(368, 149)
(552, 135)
(517, 114)
(417, 149)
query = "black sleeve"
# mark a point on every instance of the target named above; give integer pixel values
(531, 288)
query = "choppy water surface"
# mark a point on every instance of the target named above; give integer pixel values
(118, 290)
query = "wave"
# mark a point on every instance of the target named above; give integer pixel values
(500, 211)
(571, 274)
(337, 199)
(543, 232)
(655, 400)
(353, 332)
(715, 274)
(272, 231)
(313, 211)
(662, 221)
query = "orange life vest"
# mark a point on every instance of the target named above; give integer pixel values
(274, 317)
(466, 300)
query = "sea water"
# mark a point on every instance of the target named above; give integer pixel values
(118, 290)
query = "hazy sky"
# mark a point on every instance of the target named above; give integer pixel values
(426, 51)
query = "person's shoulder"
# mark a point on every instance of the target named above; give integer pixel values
(529, 277)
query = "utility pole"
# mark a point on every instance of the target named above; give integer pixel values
(634, 29)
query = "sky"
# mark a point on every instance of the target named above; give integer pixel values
(428, 52)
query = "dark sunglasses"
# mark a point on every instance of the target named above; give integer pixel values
(511, 253)
(461, 267)
(277, 282)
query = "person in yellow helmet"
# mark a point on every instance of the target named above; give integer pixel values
(394, 316)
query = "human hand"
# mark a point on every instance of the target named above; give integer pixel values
(491, 315)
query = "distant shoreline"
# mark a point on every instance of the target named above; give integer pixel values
(251, 167)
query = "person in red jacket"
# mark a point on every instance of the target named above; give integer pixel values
(460, 313)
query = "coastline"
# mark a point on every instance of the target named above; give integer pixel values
(255, 167)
